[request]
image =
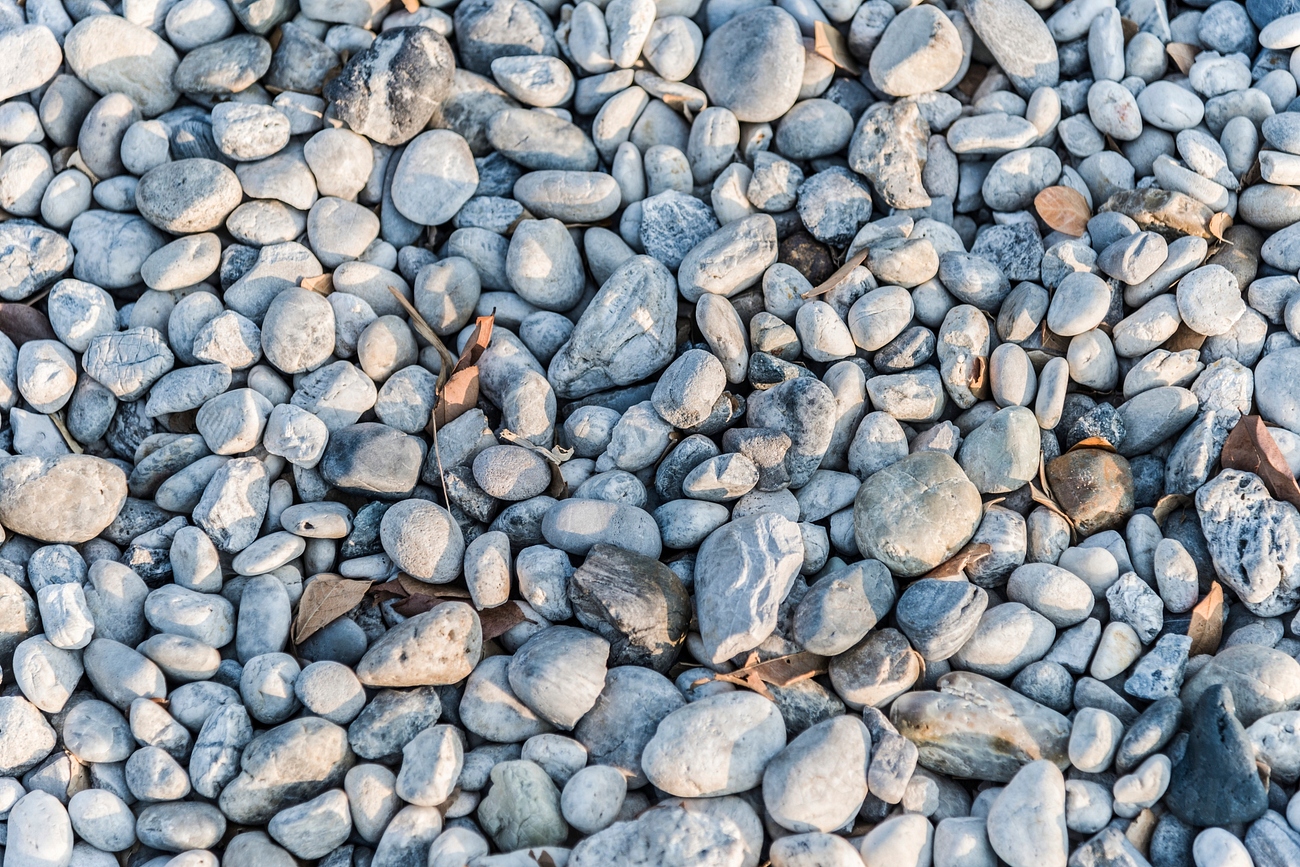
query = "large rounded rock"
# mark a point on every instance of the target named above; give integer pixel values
(389, 91)
(753, 65)
(718, 745)
(916, 513)
(112, 55)
(437, 647)
(434, 178)
(423, 541)
(743, 571)
(188, 196)
(819, 781)
(25, 737)
(372, 459)
(287, 765)
(920, 51)
(70, 498)
(627, 332)
(559, 673)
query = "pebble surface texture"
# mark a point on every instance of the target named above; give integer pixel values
(873, 438)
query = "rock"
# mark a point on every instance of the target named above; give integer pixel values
(744, 57)
(1217, 750)
(593, 359)
(1026, 822)
(719, 758)
(1258, 567)
(112, 55)
(1094, 487)
(447, 640)
(523, 808)
(771, 550)
(818, 782)
(638, 605)
(898, 508)
(1012, 730)
(889, 147)
(67, 499)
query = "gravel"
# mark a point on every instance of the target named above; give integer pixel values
(499, 432)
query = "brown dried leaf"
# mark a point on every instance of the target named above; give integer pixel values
(1206, 628)
(957, 564)
(500, 620)
(1094, 443)
(460, 393)
(1250, 447)
(784, 670)
(422, 328)
(411, 6)
(57, 418)
(326, 598)
(970, 82)
(1063, 209)
(1182, 54)
(829, 43)
(1184, 338)
(1167, 505)
(390, 589)
(418, 603)
(21, 323)
(1129, 27)
(1141, 830)
(324, 284)
(839, 276)
(544, 859)
(1219, 224)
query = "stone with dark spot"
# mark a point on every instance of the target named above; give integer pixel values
(389, 91)
(1217, 781)
(1094, 487)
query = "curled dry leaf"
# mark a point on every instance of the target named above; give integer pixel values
(1219, 224)
(955, 566)
(1064, 209)
(324, 284)
(1094, 443)
(1250, 447)
(326, 598)
(460, 392)
(1182, 54)
(829, 43)
(841, 273)
(1206, 628)
(1167, 505)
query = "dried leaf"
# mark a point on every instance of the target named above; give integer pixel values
(418, 603)
(1063, 209)
(460, 393)
(1219, 224)
(957, 564)
(781, 671)
(970, 82)
(411, 6)
(326, 598)
(1250, 447)
(1182, 54)
(839, 276)
(543, 860)
(324, 284)
(501, 619)
(1206, 628)
(21, 323)
(1167, 505)
(556, 455)
(422, 328)
(829, 43)
(1184, 338)
(1129, 27)
(57, 418)
(1094, 443)
(1141, 830)
(390, 589)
